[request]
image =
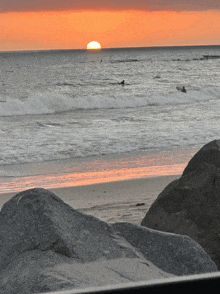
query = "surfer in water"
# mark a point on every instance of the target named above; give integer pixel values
(182, 89)
(121, 83)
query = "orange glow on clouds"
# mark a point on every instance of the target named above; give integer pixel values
(74, 30)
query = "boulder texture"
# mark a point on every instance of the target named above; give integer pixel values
(190, 205)
(209, 153)
(180, 254)
(46, 245)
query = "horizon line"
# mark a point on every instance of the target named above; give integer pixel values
(98, 50)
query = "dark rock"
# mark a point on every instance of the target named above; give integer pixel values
(39, 272)
(46, 245)
(175, 254)
(38, 219)
(209, 153)
(191, 205)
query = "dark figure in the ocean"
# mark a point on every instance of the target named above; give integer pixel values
(121, 83)
(183, 89)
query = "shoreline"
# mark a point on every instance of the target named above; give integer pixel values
(113, 188)
(94, 170)
(114, 201)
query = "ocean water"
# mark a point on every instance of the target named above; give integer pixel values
(59, 108)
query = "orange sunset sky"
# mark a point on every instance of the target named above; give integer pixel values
(72, 24)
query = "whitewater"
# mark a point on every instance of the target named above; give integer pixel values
(69, 104)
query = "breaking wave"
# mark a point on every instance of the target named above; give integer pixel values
(52, 103)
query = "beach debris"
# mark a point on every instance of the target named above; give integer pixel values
(140, 204)
(46, 245)
(190, 205)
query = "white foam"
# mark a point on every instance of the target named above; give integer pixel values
(51, 103)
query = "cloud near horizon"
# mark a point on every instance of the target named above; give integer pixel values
(148, 5)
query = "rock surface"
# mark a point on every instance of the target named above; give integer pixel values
(190, 205)
(209, 153)
(175, 254)
(46, 245)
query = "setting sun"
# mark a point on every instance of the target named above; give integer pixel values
(93, 45)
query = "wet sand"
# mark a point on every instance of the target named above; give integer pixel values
(126, 200)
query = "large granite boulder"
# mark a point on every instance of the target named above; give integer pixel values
(209, 153)
(180, 254)
(46, 245)
(190, 205)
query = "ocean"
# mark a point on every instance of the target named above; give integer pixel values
(65, 111)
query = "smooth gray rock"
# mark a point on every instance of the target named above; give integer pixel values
(41, 237)
(176, 254)
(191, 205)
(39, 272)
(38, 219)
(46, 245)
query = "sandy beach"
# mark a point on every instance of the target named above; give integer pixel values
(112, 201)
(108, 187)
(85, 251)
